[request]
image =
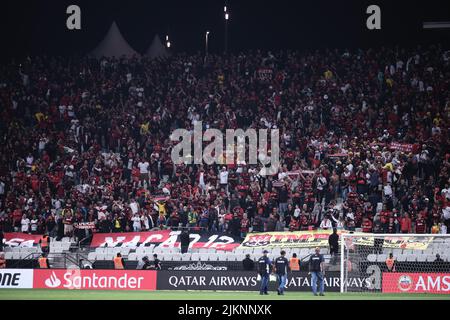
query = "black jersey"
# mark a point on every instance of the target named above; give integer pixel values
(281, 265)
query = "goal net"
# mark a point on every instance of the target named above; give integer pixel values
(395, 263)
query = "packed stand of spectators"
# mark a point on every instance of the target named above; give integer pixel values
(87, 140)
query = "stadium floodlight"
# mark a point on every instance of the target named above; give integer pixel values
(225, 9)
(168, 44)
(206, 42)
(227, 16)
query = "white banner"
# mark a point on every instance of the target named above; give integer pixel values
(16, 278)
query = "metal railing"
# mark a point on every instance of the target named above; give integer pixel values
(67, 257)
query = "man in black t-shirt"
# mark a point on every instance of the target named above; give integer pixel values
(281, 269)
(333, 241)
(264, 270)
(156, 262)
(147, 265)
(248, 263)
(316, 268)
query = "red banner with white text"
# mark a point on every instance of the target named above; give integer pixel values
(399, 282)
(84, 279)
(19, 239)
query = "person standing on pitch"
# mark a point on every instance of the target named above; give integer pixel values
(281, 269)
(264, 269)
(316, 269)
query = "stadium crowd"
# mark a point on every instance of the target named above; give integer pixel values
(363, 142)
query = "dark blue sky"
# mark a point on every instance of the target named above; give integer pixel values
(39, 26)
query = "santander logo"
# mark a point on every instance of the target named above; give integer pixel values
(53, 281)
(95, 279)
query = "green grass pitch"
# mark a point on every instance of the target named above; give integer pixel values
(44, 294)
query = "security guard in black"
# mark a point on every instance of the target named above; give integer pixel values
(264, 269)
(281, 265)
(315, 261)
(264, 265)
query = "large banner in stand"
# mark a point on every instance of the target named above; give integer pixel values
(19, 239)
(165, 239)
(319, 238)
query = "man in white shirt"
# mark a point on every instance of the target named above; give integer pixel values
(134, 206)
(143, 170)
(201, 181)
(223, 178)
(326, 224)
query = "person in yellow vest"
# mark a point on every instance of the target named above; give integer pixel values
(43, 262)
(294, 263)
(435, 228)
(2, 261)
(44, 243)
(119, 263)
(390, 263)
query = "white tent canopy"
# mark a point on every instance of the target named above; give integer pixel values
(113, 45)
(157, 49)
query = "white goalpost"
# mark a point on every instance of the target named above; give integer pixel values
(394, 263)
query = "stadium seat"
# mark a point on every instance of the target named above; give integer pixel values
(132, 256)
(55, 244)
(179, 256)
(230, 257)
(15, 256)
(195, 256)
(411, 258)
(100, 256)
(381, 258)
(400, 257)
(100, 250)
(166, 257)
(92, 256)
(185, 256)
(213, 257)
(372, 257)
(9, 255)
(203, 256)
(158, 250)
(222, 256)
(147, 250)
(55, 250)
(421, 258)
